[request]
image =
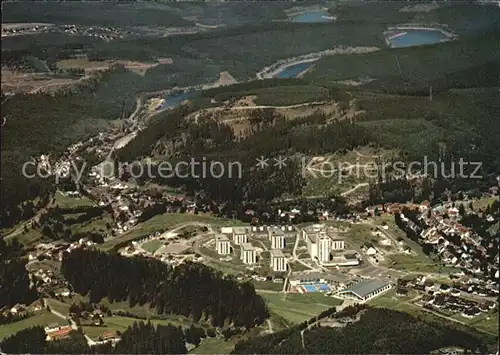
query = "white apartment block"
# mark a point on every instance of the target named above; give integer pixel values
(240, 235)
(277, 241)
(278, 261)
(321, 241)
(248, 254)
(324, 245)
(223, 245)
(338, 244)
(275, 231)
(276, 237)
(310, 239)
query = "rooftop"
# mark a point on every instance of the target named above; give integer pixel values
(239, 230)
(276, 253)
(247, 246)
(365, 287)
(63, 331)
(276, 231)
(222, 237)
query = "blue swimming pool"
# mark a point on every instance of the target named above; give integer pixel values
(323, 287)
(310, 288)
(417, 38)
(311, 17)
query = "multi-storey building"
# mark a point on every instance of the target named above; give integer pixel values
(324, 245)
(277, 238)
(278, 261)
(248, 254)
(321, 241)
(240, 235)
(338, 244)
(223, 245)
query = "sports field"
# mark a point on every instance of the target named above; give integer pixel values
(297, 308)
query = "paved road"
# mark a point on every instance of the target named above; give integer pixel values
(358, 186)
(294, 252)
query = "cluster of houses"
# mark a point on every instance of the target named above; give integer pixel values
(447, 298)
(21, 309)
(49, 283)
(456, 305)
(456, 245)
(55, 250)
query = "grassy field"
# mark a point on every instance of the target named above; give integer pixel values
(97, 224)
(163, 222)
(119, 323)
(483, 203)
(214, 346)
(71, 202)
(44, 318)
(265, 285)
(417, 264)
(58, 306)
(487, 323)
(152, 246)
(358, 234)
(391, 301)
(298, 307)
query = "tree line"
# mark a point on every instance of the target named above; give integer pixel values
(190, 289)
(379, 331)
(15, 281)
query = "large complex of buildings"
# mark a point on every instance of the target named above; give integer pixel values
(223, 245)
(248, 254)
(321, 241)
(278, 260)
(365, 290)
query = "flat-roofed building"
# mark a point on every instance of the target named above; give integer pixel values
(61, 333)
(365, 290)
(277, 238)
(308, 277)
(346, 259)
(240, 235)
(324, 245)
(223, 245)
(310, 235)
(248, 254)
(338, 244)
(278, 260)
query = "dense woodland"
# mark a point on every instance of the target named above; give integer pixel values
(191, 289)
(15, 283)
(379, 331)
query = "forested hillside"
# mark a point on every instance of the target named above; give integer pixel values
(459, 63)
(15, 283)
(379, 331)
(190, 289)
